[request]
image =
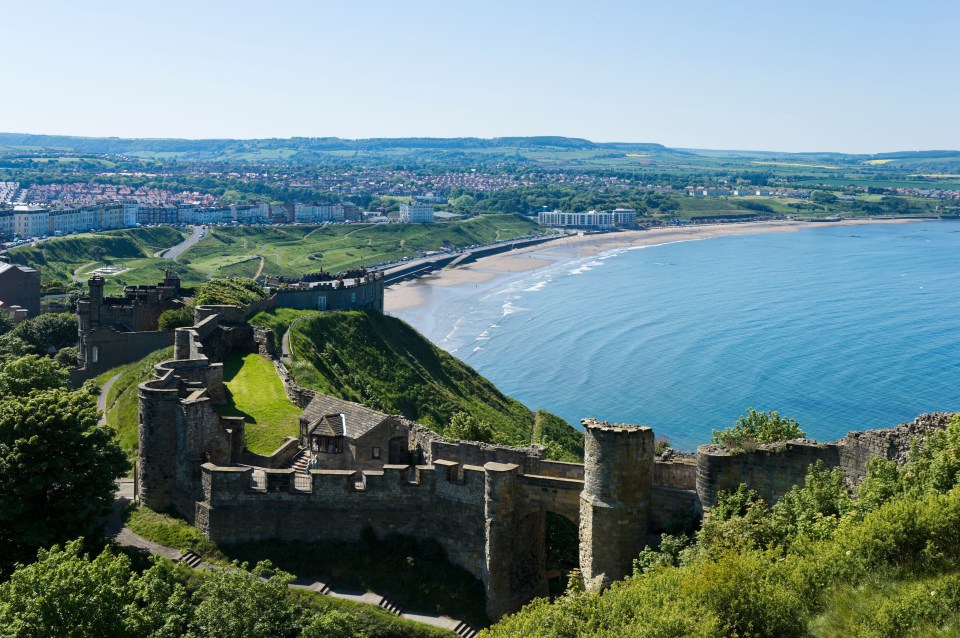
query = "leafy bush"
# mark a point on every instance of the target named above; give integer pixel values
(177, 318)
(758, 428)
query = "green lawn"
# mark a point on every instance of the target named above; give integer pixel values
(294, 250)
(254, 391)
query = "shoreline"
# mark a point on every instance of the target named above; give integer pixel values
(414, 293)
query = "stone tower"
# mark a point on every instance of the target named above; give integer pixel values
(615, 502)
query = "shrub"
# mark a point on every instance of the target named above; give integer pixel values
(758, 428)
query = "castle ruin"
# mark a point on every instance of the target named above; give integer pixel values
(486, 505)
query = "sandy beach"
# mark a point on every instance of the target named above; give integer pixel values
(411, 294)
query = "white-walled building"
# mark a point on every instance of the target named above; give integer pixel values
(602, 220)
(30, 220)
(416, 213)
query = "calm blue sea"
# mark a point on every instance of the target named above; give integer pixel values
(838, 327)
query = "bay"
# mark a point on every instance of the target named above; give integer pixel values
(839, 327)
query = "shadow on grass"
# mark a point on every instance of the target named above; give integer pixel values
(415, 573)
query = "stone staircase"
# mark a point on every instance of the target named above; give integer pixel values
(465, 631)
(301, 461)
(390, 605)
(191, 558)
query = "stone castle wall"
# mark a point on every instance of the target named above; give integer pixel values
(772, 470)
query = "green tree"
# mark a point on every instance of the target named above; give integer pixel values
(238, 603)
(18, 377)
(66, 594)
(48, 333)
(57, 471)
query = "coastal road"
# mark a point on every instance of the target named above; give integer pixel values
(199, 233)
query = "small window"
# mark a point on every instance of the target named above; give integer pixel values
(376, 453)
(353, 297)
(321, 303)
(96, 354)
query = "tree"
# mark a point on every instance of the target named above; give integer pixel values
(57, 471)
(48, 333)
(239, 603)
(66, 594)
(32, 372)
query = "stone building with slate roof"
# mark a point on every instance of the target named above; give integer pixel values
(344, 435)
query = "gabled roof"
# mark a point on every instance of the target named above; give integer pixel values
(342, 418)
(4, 267)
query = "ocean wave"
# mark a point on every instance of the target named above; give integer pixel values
(584, 268)
(537, 287)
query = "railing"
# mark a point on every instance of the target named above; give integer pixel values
(302, 482)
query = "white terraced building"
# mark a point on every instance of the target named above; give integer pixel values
(601, 220)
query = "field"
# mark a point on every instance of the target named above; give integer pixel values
(254, 391)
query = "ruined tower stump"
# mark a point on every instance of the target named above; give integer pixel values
(615, 502)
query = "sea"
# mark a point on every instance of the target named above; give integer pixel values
(839, 327)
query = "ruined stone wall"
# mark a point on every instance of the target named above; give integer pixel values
(772, 470)
(680, 473)
(341, 504)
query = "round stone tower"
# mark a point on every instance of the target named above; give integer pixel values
(615, 502)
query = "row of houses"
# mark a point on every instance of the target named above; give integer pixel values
(318, 213)
(33, 220)
(594, 219)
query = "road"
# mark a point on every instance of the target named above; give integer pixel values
(199, 233)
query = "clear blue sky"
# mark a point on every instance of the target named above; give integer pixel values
(845, 75)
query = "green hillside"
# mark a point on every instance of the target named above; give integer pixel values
(384, 363)
(294, 250)
(63, 258)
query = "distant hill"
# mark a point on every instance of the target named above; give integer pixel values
(384, 363)
(123, 146)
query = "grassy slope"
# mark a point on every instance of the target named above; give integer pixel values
(384, 363)
(254, 391)
(122, 403)
(292, 250)
(376, 623)
(58, 258)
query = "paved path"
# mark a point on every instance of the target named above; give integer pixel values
(102, 399)
(127, 538)
(176, 251)
(76, 273)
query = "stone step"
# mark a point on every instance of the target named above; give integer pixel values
(191, 558)
(465, 631)
(390, 605)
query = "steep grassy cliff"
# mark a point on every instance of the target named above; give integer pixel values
(384, 363)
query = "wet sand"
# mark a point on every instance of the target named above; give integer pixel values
(411, 294)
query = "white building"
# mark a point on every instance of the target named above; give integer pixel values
(591, 219)
(30, 220)
(6, 224)
(416, 213)
(316, 213)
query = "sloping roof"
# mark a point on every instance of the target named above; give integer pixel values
(357, 420)
(329, 425)
(4, 267)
